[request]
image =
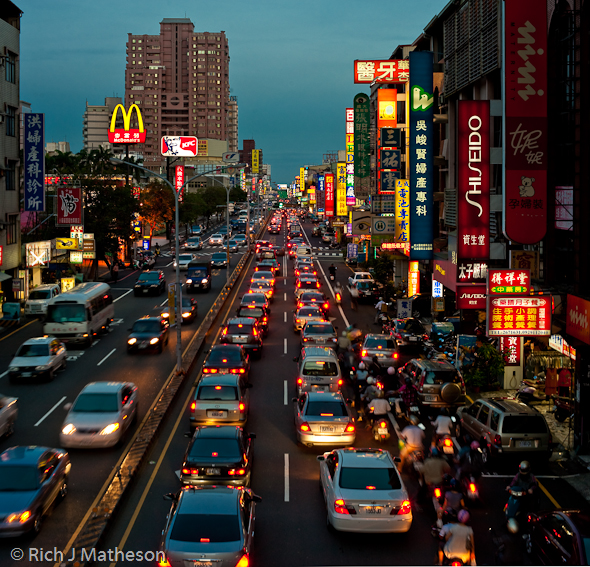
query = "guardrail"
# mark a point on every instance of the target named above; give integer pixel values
(101, 515)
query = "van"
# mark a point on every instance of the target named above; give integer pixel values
(40, 297)
(318, 371)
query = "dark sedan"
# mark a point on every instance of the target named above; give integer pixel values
(148, 333)
(219, 454)
(258, 299)
(409, 331)
(244, 332)
(150, 282)
(268, 265)
(189, 310)
(314, 299)
(258, 313)
(32, 479)
(227, 359)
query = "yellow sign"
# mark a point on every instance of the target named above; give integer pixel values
(311, 193)
(402, 211)
(301, 179)
(67, 284)
(203, 148)
(255, 161)
(413, 279)
(66, 243)
(341, 208)
(127, 135)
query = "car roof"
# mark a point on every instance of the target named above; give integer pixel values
(377, 336)
(39, 340)
(218, 432)
(226, 347)
(511, 406)
(209, 500)
(366, 458)
(22, 455)
(434, 365)
(318, 352)
(219, 380)
(103, 387)
(150, 318)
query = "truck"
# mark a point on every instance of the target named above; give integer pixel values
(198, 276)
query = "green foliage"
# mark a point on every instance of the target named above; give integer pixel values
(487, 368)
(157, 205)
(192, 207)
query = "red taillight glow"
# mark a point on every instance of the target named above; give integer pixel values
(193, 406)
(456, 564)
(215, 454)
(325, 306)
(255, 332)
(243, 562)
(472, 487)
(498, 440)
(338, 297)
(340, 507)
(383, 424)
(224, 332)
(164, 562)
(370, 487)
(242, 407)
(304, 426)
(437, 492)
(340, 382)
(218, 387)
(350, 428)
(395, 355)
(448, 442)
(406, 508)
(204, 540)
(317, 284)
(363, 352)
(300, 381)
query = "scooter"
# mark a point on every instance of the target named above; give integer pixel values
(562, 408)
(470, 488)
(381, 429)
(514, 508)
(338, 295)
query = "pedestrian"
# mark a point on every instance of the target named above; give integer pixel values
(380, 307)
(115, 270)
(354, 297)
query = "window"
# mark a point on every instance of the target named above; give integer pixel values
(483, 415)
(10, 121)
(495, 421)
(12, 228)
(474, 409)
(11, 68)
(11, 176)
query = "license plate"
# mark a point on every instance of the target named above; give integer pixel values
(382, 430)
(216, 413)
(413, 338)
(430, 398)
(319, 388)
(373, 509)
(241, 340)
(223, 371)
(212, 471)
(26, 374)
(200, 563)
(326, 429)
(414, 409)
(145, 290)
(448, 450)
(525, 443)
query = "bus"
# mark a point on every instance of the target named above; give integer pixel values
(77, 315)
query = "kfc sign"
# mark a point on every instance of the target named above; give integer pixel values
(180, 146)
(390, 71)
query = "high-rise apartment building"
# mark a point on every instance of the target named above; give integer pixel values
(97, 120)
(232, 124)
(180, 81)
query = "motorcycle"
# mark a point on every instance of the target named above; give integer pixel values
(338, 296)
(332, 277)
(514, 508)
(446, 446)
(381, 429)
(470, 488)
(562, 408)
(528, 393)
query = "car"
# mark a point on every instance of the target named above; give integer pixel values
(227, 359)
(558, 537)
(198, 276)
(507, 426)
(439, 383)
(243, 331)
(183, 261)
(148, 259)
(100, 415)
(268, 254)
(39, 357)
(265, 287)
(258, 313)
(363, 491)
(292, 245)
(8, 415)
(319, 334)
(148, 333)
(294, 233)
(193, 243)
(271, 265)
(409, 332)
(196, 230)
(359, 276)
(220, 399)
(315, 299)
(219, 260)
(305, 268)
(367, 290)
(304, 315)
(305, 283)
(212, 523)
(150, 282)
(303, 251)
(274, 229)
(328, 235)
(241, 239)
(318, 370)
(323, 418)
(262, 244)
(216, 239)
(255, 298)
(32, 480)
(189, 310)
(220, 454)
(263, 275)
(383, 347)
(233, 246)
(39, 298)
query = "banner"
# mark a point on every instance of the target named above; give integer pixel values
(362, 137)
(34, 170)
(329, 200)
(578, 318)
(421, 160)
(402, 212)
(525, 121)
(256, 161)
(179, 181)
(70, 206)
(341, 208)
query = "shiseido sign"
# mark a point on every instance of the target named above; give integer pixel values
(473, 230)
(471, 297)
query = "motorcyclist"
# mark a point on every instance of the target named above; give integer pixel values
(413, 438)
(157, 249)
(378, 408)
(380, 307)
(376, 366)
(332, 269)
(470, 461)
(457, 540)
(526, 481)
(344, 343)
(409, 394)
(338, 291)
(433, 470)
(443, 424)
(453, 500)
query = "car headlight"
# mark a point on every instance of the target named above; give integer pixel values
(42, 367)
(132, 341)
(165, 315)
(204, 280)
(174, 264)
(68, 429)
(111, 428)
(189, 280)
(13, 368)
(154, 340)
(21, 517)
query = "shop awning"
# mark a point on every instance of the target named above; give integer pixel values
(4, 276)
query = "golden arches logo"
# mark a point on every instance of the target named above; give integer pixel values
(127, 135)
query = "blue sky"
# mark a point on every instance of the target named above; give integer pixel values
(291, 62)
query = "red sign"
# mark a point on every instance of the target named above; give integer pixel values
(507, 282)
(329, 202)
(179, 181)
(390, 71)
(510, 346)
(471, 296)
(525, 192)
(69, 206)
(473, 216)
(1, 255)
(519, 316)
(578, 318)
(127, 135)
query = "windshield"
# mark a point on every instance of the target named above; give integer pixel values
(363, 478)
(33, 350)
(40, 295)
(197, 272)
(364, 285)
(185, 257)
(14, 478)
(442, 377)
(219, 256)
(66, 312)
(97, 402)
(248, 312)
(309, 312)
(218, 448)
(312, 297)
(239, 329)
(320, 368)
(149, 277)
(327, 409)
(412, 326)
(211, 528)
(220, 393)
(225, 355)
(524, 424)
(314, 329)
(146, 327)
(373, 342)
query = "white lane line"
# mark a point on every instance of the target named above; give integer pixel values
(285, 322)
(285, 266)
(285, 296)
(286, 477)
(285, 398)
(49, 412)
(126, 293)
(334, 295)
(285, 345)
(3, 374)
(106, 357)
(285, 282)
(168, 265)
(164, 302)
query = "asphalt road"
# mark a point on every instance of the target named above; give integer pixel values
(290, 525)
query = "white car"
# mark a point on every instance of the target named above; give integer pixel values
(364, 492)
(184, 260)
(8, 414)
(39, 357)
(100, 415)
(216, 239)
(360, 276)
(193, 243)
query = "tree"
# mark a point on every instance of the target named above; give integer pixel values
(157, 205)
(191, 208)
(487, 367)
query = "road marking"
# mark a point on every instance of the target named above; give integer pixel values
(286, 477)
(285, 295)
(334, 295)
(285, 321)
(18, 329)
(285, 281)
(3, 374)
(94, 343)
(285, 345)
(468, 398)
(126, 293)
(49, 412)
(553, 501)
(106, 357)
(551, 477)
(285, 395)
(164, 302)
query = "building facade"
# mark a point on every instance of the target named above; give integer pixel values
(232, 124)
(97, 120)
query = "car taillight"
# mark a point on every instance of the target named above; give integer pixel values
(363, 352)
(340, 507)
(255, 332)
(395, 355)
(209, 370)
(456, 563)
(304, 426)
(437, 492)
(300, 304)
(244, 561)
(406, 508)
(350, 428)
(300, 381)
(299, 284)
(242, 407)
(338, 297)
(325, 306)
(472, 487)
(193, 406)
(224, 332)
(264, 319)
(448, 442)
(498, 440)
(340, 382)
(164, 562)
(317, 284)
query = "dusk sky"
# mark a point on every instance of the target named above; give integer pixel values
(291, 62)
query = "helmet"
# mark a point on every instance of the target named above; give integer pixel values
(474, 445)
(414, 420)
(408, 381)
(362, 366)
(453, 483)
(344, 333)
(524, 467)
(463, 516)
(391, 371)
(370, 380)
(512, 526)
(434, 452)
(380, 299)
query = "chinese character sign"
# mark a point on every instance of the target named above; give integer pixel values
(519, 316)
(421, 160)
(510, 347)
(256, 161)
(179, 181)
(472, 272)
(404, 308)
(391, 71)
(329, 201)
(509, 282)
(341, 208)
(413, 279)
(437, 288)
(34, 154)
(402, 211)
(362, 138)
(473, 215)
(350, 150)
(69, 206)
(525, 123)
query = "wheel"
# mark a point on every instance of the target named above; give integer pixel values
(38, 522)
(64, 364)
(63, 489)
(50, 375)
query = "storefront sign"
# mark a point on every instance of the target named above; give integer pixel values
(70, 206)
(510, 346)
(404, 308)
(382, 225)
(471, 296)
(34, 169)
(88, 245)
(362, 138)
(126, 135)
(519, 316)
(437, 288)
(350, 149)
(509, 282)
(66, 243)
(472, 272)
(181, 146)
(341, 208)
(402, 211)
(558, 343)
(525, 123)
(38, 253)
(384, 204)
(421, 162)
(445, 272)
(413, 279)
(352, 250)
(67, 284)
(329, 202)
(389, 71)
(525, 260)
(578, 318)
(76, 256)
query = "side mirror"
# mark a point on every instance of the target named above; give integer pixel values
(321, 458)
(252, 436)
(170, 496)
(294, 400)
(256, 498)
(68, 406)
(188, 434)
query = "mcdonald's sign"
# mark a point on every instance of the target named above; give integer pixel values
(127, 135)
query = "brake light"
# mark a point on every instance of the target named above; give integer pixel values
(186, 471)
(255, 332)
(241, 472)
(338, 297)
(350, 428)
(437, 492)
(448, 442)
(244, 561)
(498, 440)
(395, 355)
(317, 284)
(472, 487)
(340, 382)
(300, 381)
(300, 304)
(204, 540)
(218, 387)
(406, 508)
(193, 406)
(304, 426)
(340, 507)
(242, 407)
(363, 352)
(164, 562)
(264, 319)
(299, 284)
(456, 563)
(383, 424)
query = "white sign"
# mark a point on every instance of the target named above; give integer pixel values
(38, 253)
(404, 308)
(181, 146)
(437, 288)
(231, 157)
(383, 225)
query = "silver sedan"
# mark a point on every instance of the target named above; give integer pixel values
(216, 240)
(319, 334)
(304, 314)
